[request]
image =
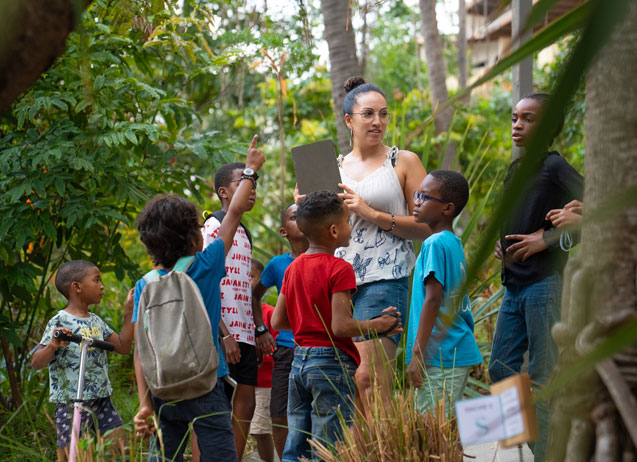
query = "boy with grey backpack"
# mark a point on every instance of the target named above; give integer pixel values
(177, 312)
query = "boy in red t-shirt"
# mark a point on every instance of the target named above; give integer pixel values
(315, 303)
(261, 425)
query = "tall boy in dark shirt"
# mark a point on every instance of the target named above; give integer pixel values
(532, 267)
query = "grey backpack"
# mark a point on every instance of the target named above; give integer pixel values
(174, 336)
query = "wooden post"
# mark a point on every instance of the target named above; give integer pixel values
(523, 72)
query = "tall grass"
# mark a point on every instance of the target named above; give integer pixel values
(395, 431)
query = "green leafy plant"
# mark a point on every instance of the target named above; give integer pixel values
(107, 127)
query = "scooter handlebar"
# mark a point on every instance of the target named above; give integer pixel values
(76, 338)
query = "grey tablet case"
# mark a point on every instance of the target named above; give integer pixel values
(316, 167)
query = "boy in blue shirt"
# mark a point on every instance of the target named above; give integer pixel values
(273, 276)
(440, 341)
(169, 228)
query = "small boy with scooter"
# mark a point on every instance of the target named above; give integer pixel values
(80, 283)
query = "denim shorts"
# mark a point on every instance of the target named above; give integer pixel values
(372, 298)
(321, 398)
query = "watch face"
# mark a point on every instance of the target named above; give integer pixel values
(248, 171)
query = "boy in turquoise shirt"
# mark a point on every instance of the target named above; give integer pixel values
(440, 341)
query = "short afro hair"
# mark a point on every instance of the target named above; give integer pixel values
(284, 214)
(223, 176)
(543, 99)
(168, 226)
(258, 265)
(317, 210)
(70, 272)
(454, 188)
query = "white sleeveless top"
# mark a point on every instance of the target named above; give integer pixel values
(376, 254)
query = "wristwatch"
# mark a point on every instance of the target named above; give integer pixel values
(260, 330)
(249, 174)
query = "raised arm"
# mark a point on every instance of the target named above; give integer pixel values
(124, 340)
(239, 203)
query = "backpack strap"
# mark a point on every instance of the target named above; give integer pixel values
(183, 263)
(220, 215)
(151, 275)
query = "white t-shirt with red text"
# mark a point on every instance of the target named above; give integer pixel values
(236, 289)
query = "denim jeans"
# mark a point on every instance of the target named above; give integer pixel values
(210, 415)
(372, 298)
(321, 383)
(526, 316)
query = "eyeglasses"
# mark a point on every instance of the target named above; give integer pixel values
(254, 183)
(420, 197)
(368, 115)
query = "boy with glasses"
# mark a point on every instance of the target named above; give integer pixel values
(440, 341)
(241, 320)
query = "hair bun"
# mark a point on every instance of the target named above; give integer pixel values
(353, 82)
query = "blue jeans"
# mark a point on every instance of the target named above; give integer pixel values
(372, 298)
(210, 415)
(526, 316)
(321, 383)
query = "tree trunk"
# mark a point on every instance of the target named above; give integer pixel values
(595, 419)
(362, 63)
(437, 75)
(341, 43)
(32, 35)
(461, 45)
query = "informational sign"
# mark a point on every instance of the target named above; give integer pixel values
(508, 415)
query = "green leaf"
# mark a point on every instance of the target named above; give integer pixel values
(427, 148)
(538, 13)
(49, 230)
(60, 186)
(478, 212)
(130, 135)
(98, 83)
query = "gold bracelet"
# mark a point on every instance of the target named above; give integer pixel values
(227, 336)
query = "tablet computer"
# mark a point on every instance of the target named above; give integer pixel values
(316, 167)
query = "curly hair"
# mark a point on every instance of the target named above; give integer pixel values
(70, 272)
(316, 210)
(453, 188)
(355, 86)
(168, 226)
